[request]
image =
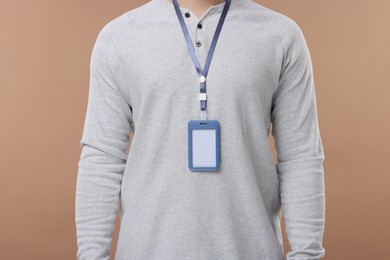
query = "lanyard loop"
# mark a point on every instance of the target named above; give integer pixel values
(202, 73)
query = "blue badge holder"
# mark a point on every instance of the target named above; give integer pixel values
(204, 152)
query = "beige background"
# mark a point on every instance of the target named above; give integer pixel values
(45, 49)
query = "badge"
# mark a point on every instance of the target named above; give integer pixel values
(204, 145)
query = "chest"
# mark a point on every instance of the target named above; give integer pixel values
(155, 61)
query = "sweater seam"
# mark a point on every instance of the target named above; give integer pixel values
(284, 51)
(110, 56)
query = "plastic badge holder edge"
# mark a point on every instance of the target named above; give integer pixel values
(199, 124)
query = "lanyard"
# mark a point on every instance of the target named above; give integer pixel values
(202, 73)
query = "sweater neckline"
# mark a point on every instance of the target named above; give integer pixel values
(212, 9)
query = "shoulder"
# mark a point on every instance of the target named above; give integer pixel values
(286, 27)
(113, 28)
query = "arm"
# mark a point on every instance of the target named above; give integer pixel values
(300, 152)
(103, 158)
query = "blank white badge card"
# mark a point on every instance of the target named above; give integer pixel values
(204, 145)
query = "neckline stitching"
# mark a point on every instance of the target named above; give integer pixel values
(213, 9)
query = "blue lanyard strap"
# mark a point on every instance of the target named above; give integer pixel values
(202, 73)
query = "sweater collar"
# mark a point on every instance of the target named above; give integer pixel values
(212, 9)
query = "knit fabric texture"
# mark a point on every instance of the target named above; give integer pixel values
(260, 82)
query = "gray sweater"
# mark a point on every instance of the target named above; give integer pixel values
(142, 79)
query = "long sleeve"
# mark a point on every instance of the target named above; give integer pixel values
(299, 149)
(103, 158)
